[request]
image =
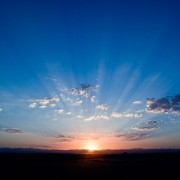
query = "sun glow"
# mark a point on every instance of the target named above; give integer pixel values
(92, 147)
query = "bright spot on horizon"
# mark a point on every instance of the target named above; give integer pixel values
(92, 147)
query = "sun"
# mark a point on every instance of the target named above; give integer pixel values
(91, 147)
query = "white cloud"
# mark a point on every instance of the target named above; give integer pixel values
(68, 113)
(93, 99)
(102, 107)
(90, 118)
(1, 109)
(53, 105)
(79, 117)
(32, 105)
(128, 115)
(116, 114)
(52, 79)
(60, 111)
(138, 115)
(46, 100)
(43, 106)
(137, 102)
(156, 110)
(97, 117)
(77, 103)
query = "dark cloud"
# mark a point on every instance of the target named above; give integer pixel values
(171, 103)
(83, 90)
(150, 125)
(176, 99)
(12, 130)
(176, 109)
(65, 138)
(133, 136)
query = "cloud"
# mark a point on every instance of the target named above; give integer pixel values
(52, 105)
(12, 130)
(65, 138)
(165, 104)
(102, 107)
(52, 79)
(32, 105)
(158, 105)
(137, 102)
(43, 106)
(79, 117)
(145, 128)
(60, 111)
(43, 102)
(83, 90)
(134, 136)
(128, 115)
(77, 103)
(46, 100)
(176, 99)
(116, 115)
(93, 99)
(96, 117)
(138, 115)
(131, 115)
(1, 109)
(68, 113)
(176, 110)
(149, 125)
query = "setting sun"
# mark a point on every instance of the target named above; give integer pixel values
(92, 147)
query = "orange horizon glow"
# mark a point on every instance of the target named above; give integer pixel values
(92, 146)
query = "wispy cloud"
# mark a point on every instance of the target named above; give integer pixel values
(80, 117)
(32, 105)
(52, 105)
(149, 125)
(1, 109)
(60, 111)
(128, 115)
(96, 117)
(133, 136)
(137, 102)
(93, 99)
(42, 107)
(116, 115)
(43, 102)
(139, 115)
(52, 79)
(102, 107)
(12, 130)
(77, 103)
(65, 138)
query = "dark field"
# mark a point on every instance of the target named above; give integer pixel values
(90, 166)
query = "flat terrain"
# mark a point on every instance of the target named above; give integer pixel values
(90, 166)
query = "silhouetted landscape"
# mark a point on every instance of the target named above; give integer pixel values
(135, 163)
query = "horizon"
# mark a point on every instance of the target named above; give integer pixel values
(90, 74)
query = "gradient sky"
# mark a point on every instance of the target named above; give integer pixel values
(75, 73)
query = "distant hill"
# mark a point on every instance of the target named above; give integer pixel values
(84, 151)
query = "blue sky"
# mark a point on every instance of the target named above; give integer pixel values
(79, 72)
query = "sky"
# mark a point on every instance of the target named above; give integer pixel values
(90, 74)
